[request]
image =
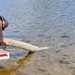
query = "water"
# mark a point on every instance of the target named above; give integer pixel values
(42, 23)
(26, 17)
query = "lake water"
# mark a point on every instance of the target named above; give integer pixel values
(34, 18)
(40, 22)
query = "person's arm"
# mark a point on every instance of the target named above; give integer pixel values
(1, 34)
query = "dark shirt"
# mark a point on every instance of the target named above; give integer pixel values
(1, 34)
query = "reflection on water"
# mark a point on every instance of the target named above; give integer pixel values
(21, 63)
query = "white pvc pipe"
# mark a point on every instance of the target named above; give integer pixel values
(25, 46)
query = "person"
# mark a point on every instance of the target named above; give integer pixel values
(3, 25)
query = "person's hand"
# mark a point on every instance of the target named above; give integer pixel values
(6, 43)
